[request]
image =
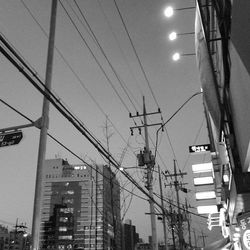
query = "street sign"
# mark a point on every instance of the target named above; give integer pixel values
(10, 138)
(199, 148)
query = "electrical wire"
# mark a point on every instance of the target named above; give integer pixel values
(94, 37)
(136, 54)
(94, 57)
(122, 52)
(74, 73)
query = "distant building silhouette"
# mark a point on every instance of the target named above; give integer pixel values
(130, 238)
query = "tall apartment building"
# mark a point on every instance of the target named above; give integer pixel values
(80, 207)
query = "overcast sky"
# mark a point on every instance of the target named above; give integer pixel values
(84, 80)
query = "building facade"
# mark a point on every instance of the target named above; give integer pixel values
(80, 207)
(223, 58)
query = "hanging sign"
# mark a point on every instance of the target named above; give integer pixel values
(199, 148)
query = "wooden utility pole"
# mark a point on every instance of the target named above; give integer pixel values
(148, 160)
(43, 132)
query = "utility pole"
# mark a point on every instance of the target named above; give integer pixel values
(179, 215)
(195, 240)
(163, 212)
(172, 226)
(180, 232)
(148, 160)
(203, 238)
(43, 132)
(189, 229)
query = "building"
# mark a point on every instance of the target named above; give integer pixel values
(130, 237)
(80, 207)
(17, 239)
(223, 58)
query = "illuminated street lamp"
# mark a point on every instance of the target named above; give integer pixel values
(169, 11)
(173, 35)
(176, 56)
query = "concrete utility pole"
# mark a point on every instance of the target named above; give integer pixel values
(188, 221)
(163, 212)
(43, 132)
(180, 232)
(203, 238)
(179, 215)
(148, 160)
(150, 168)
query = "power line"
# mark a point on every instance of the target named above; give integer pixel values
(67, 149)
(94, 37)
(122, 52)
(95, 58)
(75, 74)
(136, 54)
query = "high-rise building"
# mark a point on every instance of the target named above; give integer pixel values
(80, 207)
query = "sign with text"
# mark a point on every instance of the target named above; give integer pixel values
(10, 138)
(199, 148)
(244, 224)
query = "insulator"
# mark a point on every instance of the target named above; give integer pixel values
(132, 132)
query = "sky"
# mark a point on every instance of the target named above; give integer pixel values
(85, 82)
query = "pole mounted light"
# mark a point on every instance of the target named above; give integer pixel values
(173, 35)
(169, 10)
(177, 56)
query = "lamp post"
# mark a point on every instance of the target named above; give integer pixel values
(172, 116)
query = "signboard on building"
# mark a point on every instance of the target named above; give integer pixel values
(244, 224)
(199, 148)
(10, 138)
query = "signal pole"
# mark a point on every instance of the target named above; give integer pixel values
(148, 160)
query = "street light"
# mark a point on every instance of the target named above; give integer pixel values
(173, 35)
(171, 117)
(169, 11)
(177, 56)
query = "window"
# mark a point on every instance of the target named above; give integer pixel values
(63, 219)
(67, 210)
(65, 237)
(62, 229)
(69, 201)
